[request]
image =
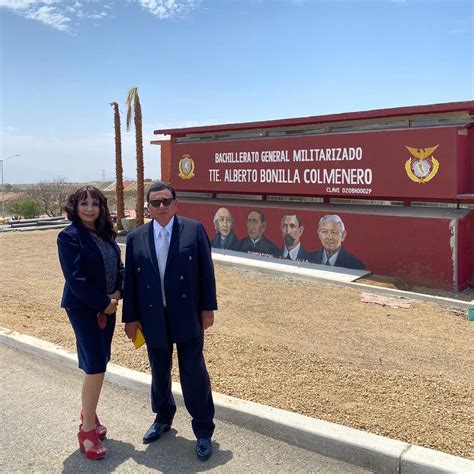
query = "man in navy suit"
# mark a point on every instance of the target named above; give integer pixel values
(256, 242)
(332, 233)
(291, 232)
(170, 292)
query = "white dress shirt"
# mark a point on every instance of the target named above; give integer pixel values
(332, 259)
(162, 237)
(293, 252)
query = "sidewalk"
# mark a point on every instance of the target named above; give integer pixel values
(39, 418)
(44, 390)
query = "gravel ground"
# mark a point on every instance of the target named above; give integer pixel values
(312, 348)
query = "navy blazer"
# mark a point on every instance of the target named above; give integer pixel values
(189, 282)
(264, 246)
(230, 243)
(84, 270)
(344, 259)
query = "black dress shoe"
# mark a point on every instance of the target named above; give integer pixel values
(155, 431)
(204, 448)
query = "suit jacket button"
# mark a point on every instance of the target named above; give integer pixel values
(148, 286)
(181, 277)
(190, 257)
(151, 306)
(138, 269)
(184, 295)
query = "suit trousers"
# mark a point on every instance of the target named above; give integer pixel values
(195, 385)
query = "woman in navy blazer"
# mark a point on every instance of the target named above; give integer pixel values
(90, 261)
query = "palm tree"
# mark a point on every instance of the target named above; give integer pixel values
(133, 98)
(118, 167)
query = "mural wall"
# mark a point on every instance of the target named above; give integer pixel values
(417, 162)
(417, 248)
(331, 232)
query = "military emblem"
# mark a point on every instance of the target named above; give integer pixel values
(422, 166)
(186, 167)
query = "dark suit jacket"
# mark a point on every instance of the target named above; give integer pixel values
(189, 282)
(231, 242)
(344, 259)
(302, 255)
(264, 246)
(84, 271)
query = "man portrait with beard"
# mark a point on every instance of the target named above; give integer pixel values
(291, 232)
(225, 236)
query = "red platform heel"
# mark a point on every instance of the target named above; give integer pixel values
(97, 450)
(101, 429)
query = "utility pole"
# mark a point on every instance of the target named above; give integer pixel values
(3, 200)
(103, 174)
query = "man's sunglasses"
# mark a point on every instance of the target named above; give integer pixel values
(158, 202)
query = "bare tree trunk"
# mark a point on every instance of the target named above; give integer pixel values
(140, 163)
(118, 167)
(134, 100)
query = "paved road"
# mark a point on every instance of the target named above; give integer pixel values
(39, 418)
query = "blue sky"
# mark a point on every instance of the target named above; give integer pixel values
(199, 62)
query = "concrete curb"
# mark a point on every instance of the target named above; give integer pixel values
(367, 450)
(31, 228)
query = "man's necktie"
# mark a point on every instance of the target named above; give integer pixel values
(162, 257)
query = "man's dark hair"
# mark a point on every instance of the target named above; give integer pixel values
(260, 213)
(159, 186)
(104, 227)
(291, 215)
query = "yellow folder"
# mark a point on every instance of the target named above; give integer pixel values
(139, 339)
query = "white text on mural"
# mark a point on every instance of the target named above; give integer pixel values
(316, 174)
(278, 156)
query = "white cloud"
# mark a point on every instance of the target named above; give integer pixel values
(167, 8)
(64, 15)
(59, 14)
(17, 4)
(49, 16)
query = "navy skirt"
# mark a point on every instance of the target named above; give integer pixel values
(93, 343)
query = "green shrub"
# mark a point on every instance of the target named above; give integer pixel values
(26, 209)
